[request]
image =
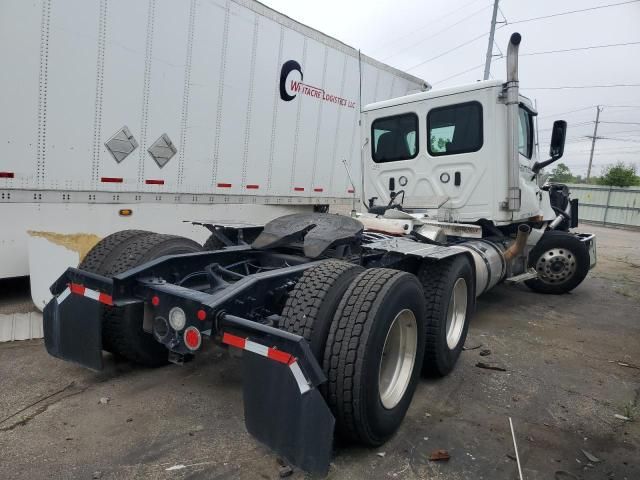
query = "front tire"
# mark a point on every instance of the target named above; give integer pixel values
(373, 354)
(561, 261)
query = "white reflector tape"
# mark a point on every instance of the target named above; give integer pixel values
(91, 294)
(256, 348)
(303, 385)
(63, 296)
(272, 354)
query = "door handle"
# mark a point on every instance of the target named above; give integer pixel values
(457, 179)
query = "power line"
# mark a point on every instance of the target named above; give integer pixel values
(623, 123)
(567, 113)
(591, 47)
(449, 51)
(619, 139)
(424, 39)
(583, 86)
(574, 11)
(459, 73)
(393, 42)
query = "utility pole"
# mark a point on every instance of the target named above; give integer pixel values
(487, 63)
(593, 140)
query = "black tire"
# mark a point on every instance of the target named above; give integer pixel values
(123, 334)
(570, 252)
(438, 280)
(354, 350)
(312, 303)
(212, 243)
(108, 247)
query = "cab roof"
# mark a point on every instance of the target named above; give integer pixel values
(436, 93)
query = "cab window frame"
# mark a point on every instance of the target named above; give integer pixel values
(417, 137)
(530, 132)
(452, 106)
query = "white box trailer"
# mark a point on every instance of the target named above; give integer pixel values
(117, 114)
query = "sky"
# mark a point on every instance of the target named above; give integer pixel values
(415, 36)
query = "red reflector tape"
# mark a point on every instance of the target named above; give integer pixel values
(234, 341)
(7, 175)
(299, 189)
(93, 294)
(77, 288)
(280, 356)
(224, 185)
(253, 187)
(318, 189)
(111, 180)
(271, 353)
(154, 182)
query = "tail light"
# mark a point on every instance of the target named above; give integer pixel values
(192, 338)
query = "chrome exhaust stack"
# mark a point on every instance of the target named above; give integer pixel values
(512, 102)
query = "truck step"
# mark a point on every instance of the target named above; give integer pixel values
(528, 275)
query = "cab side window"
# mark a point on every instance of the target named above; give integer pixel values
(455, 129)
(525, 133)
(394, 138)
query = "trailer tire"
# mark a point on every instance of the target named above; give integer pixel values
(212, 243)
(123, 334)
(108, 247)
(446, 328)
(370, 387)
(312, 303)
(568, 253)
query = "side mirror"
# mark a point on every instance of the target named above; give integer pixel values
(558, 136)
(556, 150)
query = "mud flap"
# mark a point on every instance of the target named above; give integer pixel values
(73, 329)
(298, 426)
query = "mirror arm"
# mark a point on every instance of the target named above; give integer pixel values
(540, 165)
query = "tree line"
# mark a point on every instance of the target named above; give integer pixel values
(616, 175)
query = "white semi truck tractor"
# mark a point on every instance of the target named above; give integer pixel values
(338, 315)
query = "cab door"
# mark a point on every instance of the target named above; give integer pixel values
(457, 161)
(393, 154)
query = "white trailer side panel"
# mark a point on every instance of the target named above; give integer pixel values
(206, 79)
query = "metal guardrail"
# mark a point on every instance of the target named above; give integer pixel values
(608, 205)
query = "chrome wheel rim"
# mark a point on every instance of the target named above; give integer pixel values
(556, 266)
(398, 358)
(457, 313)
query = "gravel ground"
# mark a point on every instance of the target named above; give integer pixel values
(572, 363)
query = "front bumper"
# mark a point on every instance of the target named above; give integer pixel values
(589, 240)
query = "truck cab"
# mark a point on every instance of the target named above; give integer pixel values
(445, 153)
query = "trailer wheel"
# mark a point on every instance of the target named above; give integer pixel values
(108, 247)
(373, 354)
(123, 334)
(450, 297)
(312, 303)
(562, 263)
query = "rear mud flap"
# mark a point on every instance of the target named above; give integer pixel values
(73, 329)
(298, 426)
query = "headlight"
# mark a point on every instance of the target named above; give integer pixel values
(177, 318)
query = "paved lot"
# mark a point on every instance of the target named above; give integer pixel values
(569, 364)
